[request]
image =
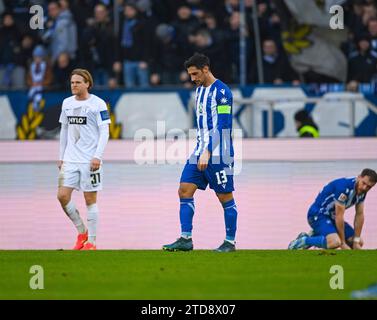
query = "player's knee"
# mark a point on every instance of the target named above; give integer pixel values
(63, 198)
(224, 197)
(181, 192)
(184, 192)
(337, 243)
(333, 242)
(90, 198)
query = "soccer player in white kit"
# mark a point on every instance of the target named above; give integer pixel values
(83, 137)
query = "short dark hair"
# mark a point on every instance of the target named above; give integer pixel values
(370, 173)
(198, 60)
(302, 115)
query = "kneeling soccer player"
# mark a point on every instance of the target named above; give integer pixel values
(326, 214)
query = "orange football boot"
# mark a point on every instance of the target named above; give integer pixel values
(89, 246)
(81, 239)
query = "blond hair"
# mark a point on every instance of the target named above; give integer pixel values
(85, 74)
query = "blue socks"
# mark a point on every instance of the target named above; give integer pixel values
(186, 214)
(318, 241)
(230, 215)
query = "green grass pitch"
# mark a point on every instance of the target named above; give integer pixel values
(200, 274)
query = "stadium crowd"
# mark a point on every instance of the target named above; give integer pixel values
(143, 43)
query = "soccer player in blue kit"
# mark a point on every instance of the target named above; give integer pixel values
(213, 159)
(326, 214)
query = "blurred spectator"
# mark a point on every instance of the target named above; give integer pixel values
(232, 6)
(233, 45)
(215, 51)
(197, 8)
(145, 8)
(98, 46)
(62, 70)
(164, 10)
(26, 54)
(64, 5)
(12, 73)
(273, 28)
(39, 76)
(185, 24)
(372, 29)
(267, 28)
(61, 34)
(369, 12)
(82, 11)
(2, 7)
(349, 46)
(134, 48)
(149, 19)
(167, 61)
(116, 77)
(91, 26)
(223, 10)
(353, 16)
(146, 13)
(362, 63)
(276, 67)
(305, 125)
(210, 23)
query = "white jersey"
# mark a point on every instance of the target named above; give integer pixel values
(84, 117)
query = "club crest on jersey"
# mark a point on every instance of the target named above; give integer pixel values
(224, 100)
(76, 120)
(200, 108)
(85, 109)
(342, 197)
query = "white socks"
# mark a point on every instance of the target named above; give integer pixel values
(92, 222)
(73, 214)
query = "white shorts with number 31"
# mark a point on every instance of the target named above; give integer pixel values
(79, 177)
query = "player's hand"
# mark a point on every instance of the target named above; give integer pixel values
(95, 164)
(344, 246)
(356, 246)
(203, 160)
(60, 163)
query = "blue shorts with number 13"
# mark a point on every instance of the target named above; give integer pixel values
(219, 176)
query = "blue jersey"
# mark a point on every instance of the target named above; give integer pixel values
(340, 191)
(214, 120)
